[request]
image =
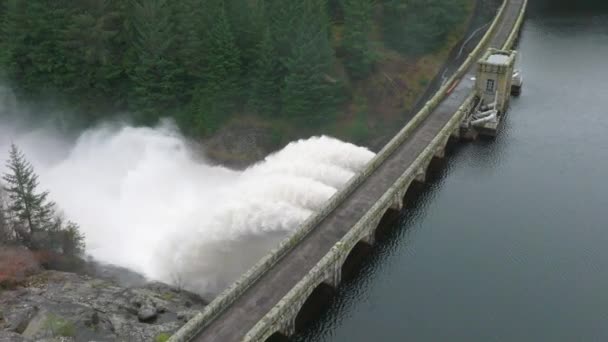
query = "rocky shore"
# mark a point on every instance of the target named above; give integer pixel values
(59, 306)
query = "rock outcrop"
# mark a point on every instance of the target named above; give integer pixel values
(58, 306)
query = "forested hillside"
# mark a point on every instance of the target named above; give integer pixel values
(204, 62)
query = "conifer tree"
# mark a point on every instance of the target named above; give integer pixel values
(308, 89)
(201, 61)
(241, 15)
(5, 232)
(92, 42)
(65, 237)
(190, 39)
(284, 19)
(4, 44)
(14, 33)
(419, 26)
(156, 75)
(31, 211)
(266, 77)
(29, 216)
(216, 99)
(357, 28)
(223, 55)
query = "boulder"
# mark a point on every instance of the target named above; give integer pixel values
(147, 313)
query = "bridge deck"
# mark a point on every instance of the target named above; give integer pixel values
(234, 323)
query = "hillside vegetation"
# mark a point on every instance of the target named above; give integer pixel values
(287, 65)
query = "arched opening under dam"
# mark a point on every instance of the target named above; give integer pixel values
(314, 305)
(436, 168)
(387, 222)
(278, 337)
(412, 194)
(354, 259)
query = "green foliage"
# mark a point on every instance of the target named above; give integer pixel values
(168, 296)
(203, 62)
(245, 23)
(29, 217)
(162, 337)
(156, 74)
(191, 22)
(358, 129)
(357, 44)
(92, 41)
(309, 91)
(31, 211)
(41, 22)
(266, 82)
(423, 82)
(420, 26)
(72, 241)
(5, 231)
(60, 326)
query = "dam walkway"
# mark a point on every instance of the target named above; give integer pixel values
(271, 303)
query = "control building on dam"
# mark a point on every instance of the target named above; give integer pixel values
(267, 301)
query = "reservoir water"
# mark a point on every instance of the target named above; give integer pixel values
(510, 241)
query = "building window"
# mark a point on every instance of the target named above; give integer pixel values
(490, 86)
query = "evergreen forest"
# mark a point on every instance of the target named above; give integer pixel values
(203, 62)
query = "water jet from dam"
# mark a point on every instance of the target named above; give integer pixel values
(145, 201)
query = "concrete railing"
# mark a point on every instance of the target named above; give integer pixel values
(318, 273)
(266, 326)
(300, 292)
(517, 28)
(227, 297)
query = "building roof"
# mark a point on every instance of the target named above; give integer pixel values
(498, 59)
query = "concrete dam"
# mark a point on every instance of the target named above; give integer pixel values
(266, 302)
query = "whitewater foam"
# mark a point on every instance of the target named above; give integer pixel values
(145, 201)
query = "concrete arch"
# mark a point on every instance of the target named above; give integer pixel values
(277, 337)
(388, 219)
(443, 147)
(354, 258)
(414, 189)
(314, 305)
(435, 167)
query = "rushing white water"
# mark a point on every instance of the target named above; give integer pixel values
(145, 202)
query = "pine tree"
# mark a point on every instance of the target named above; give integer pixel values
(266, 80)
(156, 74)
(191, 28)
(5, 232)
(357, 28)
(4, 43)
(336, 10)
(29, 216)
(216, 99)
(284, 19)
(309, 91)
(41, 55)
(241, 16)
(419, 26)
(65, 237)
(223, 55)
(91, 30)
(14, 33)
(31, 211)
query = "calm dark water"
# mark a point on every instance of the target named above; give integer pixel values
(510, 242)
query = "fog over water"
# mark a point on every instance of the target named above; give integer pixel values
(145, 200)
